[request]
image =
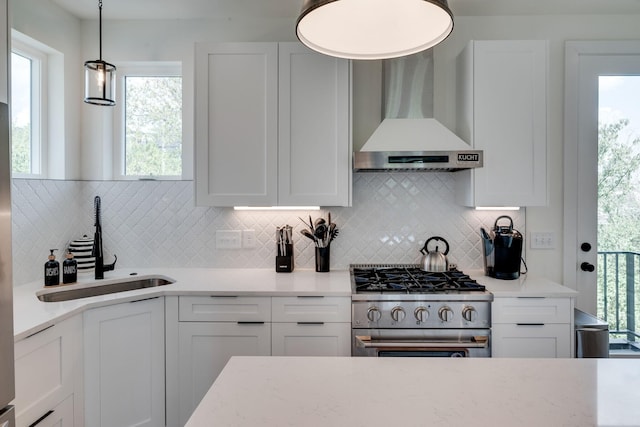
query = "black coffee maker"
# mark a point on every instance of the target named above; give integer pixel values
(502, 250)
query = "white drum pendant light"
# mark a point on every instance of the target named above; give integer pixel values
(373, 29)
(100, 76)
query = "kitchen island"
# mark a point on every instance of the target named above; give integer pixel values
(310, 391)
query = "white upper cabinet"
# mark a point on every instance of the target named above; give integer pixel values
(236, 124)
(272, 126)
(314, 150)
(502, 109)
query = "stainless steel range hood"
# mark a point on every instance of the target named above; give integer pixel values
(409, 139)
(415, 145)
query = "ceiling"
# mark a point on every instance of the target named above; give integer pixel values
(190, 9)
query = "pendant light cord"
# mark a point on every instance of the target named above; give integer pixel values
(100, 26)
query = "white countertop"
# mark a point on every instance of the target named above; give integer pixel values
(32, 315)
(314, 391)
(527, 285)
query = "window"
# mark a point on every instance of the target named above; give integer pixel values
(28, 142)
(149, 122)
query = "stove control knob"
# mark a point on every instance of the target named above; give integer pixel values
(445, 313)
(397, 313)
(469, 313)
(421, 313)
(373, 314)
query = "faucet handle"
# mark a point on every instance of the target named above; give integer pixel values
(112, 266)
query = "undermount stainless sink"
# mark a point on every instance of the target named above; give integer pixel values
(91, 290)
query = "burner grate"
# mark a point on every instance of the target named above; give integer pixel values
(410, 279)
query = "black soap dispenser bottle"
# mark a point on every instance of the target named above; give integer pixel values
(69, 269)
(52, 270)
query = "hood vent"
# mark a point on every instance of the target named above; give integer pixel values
(409, 139)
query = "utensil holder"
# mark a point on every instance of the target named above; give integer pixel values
(323, 258)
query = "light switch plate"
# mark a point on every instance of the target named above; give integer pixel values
(248, 238)
(228, 239)
(542, 240)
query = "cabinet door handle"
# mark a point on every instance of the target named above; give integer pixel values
(531, 297)
(310, 323)
(223, 296)
(250, 323)
(37, 332)
(310, 296)
(39, 420)
(530, 324)
(144, 299)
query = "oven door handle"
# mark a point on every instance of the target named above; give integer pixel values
(365, 341)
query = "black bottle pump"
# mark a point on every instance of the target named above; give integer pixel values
(69, 269)
(52, 270)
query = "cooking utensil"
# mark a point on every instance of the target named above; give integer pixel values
(308, 234)
(310, 224)
(321, 233)
(435, 261)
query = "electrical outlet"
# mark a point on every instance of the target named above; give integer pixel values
(248, 238)
(543, 240)
(228, 239)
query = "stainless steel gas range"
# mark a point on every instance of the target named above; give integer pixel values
(398, 310)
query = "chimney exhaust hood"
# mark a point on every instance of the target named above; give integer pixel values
(409, 139)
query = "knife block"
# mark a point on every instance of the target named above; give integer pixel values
(284, 262)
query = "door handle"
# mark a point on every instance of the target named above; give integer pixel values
(586, 266)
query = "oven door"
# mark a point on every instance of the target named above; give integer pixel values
(421, 342)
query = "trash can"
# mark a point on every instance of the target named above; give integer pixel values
(592, 335)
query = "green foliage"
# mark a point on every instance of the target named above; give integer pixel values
(153, 126)
(618, 230)
(20, 149)
(618, 203)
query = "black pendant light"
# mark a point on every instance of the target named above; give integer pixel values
(373, 29)
(100, 77)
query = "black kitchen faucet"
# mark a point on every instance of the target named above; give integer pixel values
(96, 252)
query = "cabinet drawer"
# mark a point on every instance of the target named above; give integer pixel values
(531, 310)
(521, 340)
(311, 339)
(58, 416)
(311, 309)
(224, 309)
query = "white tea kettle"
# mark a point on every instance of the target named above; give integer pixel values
(435, 261)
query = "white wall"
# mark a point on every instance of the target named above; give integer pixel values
(174, 40)
(51, 25)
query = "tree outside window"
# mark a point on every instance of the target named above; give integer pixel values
(153, 126)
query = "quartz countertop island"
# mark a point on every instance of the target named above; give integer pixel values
(311, 391)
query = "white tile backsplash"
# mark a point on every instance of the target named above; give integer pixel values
(156, 224)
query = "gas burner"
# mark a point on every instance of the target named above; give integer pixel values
(410, 279)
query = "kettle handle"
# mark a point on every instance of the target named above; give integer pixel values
(495, 225)
(446, 251)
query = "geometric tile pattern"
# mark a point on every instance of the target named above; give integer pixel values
(156, 224)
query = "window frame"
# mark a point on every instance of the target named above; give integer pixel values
(39, 104)
(143, 69)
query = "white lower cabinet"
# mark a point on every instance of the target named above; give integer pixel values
(532, 327)
(59, 416)
(242, 328)
(311, 339)
(311, 326)
(49, 376)
(124, 364)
